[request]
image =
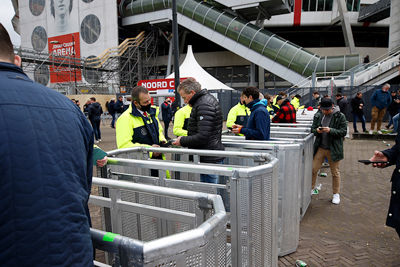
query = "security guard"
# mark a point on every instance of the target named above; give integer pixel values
(139, 124)
(181, 121)
(296, 101)
(239, 114)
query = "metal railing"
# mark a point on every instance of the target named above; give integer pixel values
(204, 244)
(250, 193)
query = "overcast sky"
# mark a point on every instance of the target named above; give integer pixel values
(6, 14)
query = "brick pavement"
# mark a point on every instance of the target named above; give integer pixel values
(352, 233)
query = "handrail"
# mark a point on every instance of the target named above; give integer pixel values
(354, 70)
(117, 51)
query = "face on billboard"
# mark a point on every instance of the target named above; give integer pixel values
(61, 8)
(63, 17)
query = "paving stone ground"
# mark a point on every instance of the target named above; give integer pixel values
(352, 233)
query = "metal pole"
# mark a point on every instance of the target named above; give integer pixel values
(73, 45)
(176, 55)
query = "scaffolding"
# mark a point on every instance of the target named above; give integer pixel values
(116, 70)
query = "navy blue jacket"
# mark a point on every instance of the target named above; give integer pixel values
(46, 147)
(381, 99)
(166, 112)
(258, 126)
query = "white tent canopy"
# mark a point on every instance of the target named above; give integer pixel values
(190, 68)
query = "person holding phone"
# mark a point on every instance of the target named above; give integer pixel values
(330, 128)
(392, 156)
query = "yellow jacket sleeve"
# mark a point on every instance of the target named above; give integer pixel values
(179, 121)
(232, 115)
(124, 131)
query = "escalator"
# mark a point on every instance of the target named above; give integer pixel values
(261, 47)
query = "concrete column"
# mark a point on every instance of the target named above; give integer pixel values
(394, 28)
(346, 27)
(261, 78)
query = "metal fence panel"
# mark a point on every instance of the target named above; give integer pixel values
(252, 195)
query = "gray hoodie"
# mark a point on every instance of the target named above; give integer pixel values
(326, 119)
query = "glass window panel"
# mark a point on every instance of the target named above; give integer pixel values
(273, 47)
(211, 17)
(200, 12)
(334, 64)
(234, 29)
(223, 23)
(189, 6)
(247, 34)
(259, 40)
(328, 5)
(286, 54)
(300, 61)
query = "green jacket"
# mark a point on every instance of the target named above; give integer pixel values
(338, 131)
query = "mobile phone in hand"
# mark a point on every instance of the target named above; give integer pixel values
(367, 161)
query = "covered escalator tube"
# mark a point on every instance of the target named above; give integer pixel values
(258, 39)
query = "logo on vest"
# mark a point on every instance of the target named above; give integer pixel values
(201, 118)
(143, 131)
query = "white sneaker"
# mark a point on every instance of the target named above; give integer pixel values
(371, 132)
(336, 199)
(97, 141)
(379, 132)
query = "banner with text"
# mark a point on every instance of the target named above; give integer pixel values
(65, 51)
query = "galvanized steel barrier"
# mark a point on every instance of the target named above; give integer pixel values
(204, 244)
(252, 188)
(290, 156)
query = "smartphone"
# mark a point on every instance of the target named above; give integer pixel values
(320, 128)
(367, 161)
(166, 144)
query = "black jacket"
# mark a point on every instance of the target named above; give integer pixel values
(205, 125)
(95, 111)
(355, 106)
(394, 107)
(393, 216)
(166, 112)
(342, 103)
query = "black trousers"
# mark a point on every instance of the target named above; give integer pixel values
(398, 230)
(166, 125)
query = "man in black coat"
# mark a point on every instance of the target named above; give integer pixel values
(94, 111)
(392, 156)
(205, 123)
(357, 108)
(166, 113)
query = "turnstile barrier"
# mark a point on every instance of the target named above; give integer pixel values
(252, 187)
(202, 245)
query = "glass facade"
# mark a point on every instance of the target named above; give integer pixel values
(326, 5)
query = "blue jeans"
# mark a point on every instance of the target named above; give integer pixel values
(113, 120)
(362, 119)
(210, 178)
(96, 128)
(396, 123)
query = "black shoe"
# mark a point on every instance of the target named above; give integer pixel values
(355, 131)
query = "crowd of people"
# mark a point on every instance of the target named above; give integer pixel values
(47, 151)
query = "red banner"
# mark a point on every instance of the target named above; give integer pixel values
(64, 50)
